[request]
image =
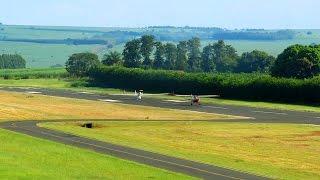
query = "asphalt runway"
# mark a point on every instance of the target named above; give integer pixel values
(258, 114)
(196, 169)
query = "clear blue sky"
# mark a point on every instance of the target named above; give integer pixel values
(137, 13)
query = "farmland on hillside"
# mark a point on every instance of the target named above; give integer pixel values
(45, 46)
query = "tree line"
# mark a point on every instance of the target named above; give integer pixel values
(290, 76)
(188, 56)
(12, 61)
(255, 35)
(296, 61)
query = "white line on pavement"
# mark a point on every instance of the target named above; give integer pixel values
(86, 93)
(176, 101)
(33, 92)
(215, 107)
(266, 112)
(109, 100)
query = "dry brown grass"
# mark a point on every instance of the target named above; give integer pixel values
(20, 106)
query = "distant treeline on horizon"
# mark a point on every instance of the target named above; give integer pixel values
(161, 33)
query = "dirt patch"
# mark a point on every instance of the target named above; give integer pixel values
(315, 133)
(311, 134)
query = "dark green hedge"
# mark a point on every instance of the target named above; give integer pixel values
(238, 86)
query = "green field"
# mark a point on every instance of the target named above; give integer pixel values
(272, 47)
(35, 73)
(24, 157)
(46, 55)
(248, 103)
(280, 151)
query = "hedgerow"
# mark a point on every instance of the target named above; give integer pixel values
(227, 85)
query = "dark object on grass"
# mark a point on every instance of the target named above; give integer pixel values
(88, 125)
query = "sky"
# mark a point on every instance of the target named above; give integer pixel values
(231, 14)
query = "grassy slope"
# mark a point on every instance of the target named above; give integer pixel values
(24, 157)
(45, 55)
(20, 106)
(282, 151)
(273, 47)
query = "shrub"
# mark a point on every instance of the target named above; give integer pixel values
(79, 64)
(298, 61)
(12, 61)
(255, 61)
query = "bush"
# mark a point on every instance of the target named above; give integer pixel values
(238, 86)
(79, 64)
(255, 61)
(12, 61)
(298, 61)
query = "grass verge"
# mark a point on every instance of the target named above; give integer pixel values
(54, 83)
(281, 151)
(24, 157)
(248, 103)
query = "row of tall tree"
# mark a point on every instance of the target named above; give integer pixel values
(296, 61)
(12, 61)
(189, 56)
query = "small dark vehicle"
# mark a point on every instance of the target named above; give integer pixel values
(195, 100)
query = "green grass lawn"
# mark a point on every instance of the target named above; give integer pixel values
(248, 103)
(24, 157)
(267, 105)
(281, 151)
(67, 84)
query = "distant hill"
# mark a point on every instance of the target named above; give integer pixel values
(45, 46)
